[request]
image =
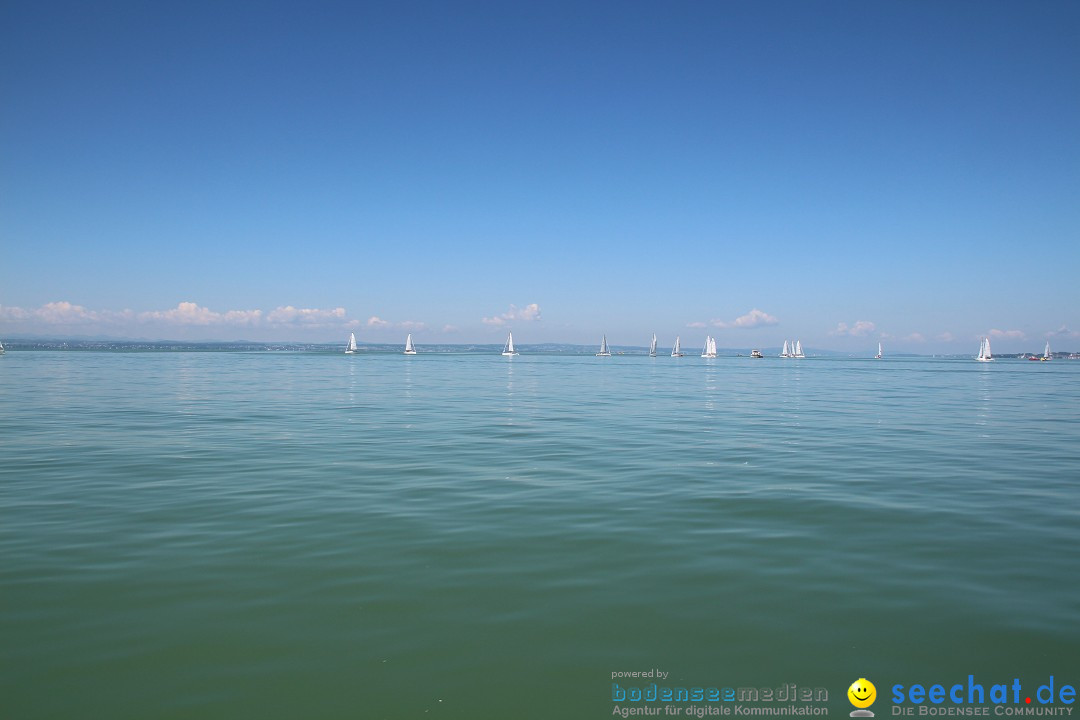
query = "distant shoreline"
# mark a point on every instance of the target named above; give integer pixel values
(83, 345)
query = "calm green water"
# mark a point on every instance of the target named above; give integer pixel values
(286, 535)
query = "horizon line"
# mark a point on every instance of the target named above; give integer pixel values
(14, 343)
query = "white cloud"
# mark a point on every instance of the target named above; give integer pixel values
(186, 313)
(861, 328)
(1063, 332)
(754, 318)
(64, 312)
(696, 325)
(189, 313)
(377, 323)
(915, 337)
(450, 328)
(529, 313)
(290, 315)
(13, 314)
(946, 336)
(1010, 334)
(54, 313)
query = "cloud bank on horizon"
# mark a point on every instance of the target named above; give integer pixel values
(190, 320)
(66, 317)
(185, 313)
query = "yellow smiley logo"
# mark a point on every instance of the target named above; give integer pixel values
(862, 693)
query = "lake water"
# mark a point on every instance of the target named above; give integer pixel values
(301, 535)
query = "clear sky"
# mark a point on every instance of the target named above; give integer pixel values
(838, 172)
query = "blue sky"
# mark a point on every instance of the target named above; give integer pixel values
(840, 172)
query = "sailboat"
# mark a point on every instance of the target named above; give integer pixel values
(878, 356)
(677, 350)
(798, 350)
(604, 352)
(1046, 353)
(409, 349)
(784, 352)
(710, 347)
(1, 348)
(984, 351)
(351, 347)
(508, 349)
(652, 346)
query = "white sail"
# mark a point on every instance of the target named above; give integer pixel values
(604, 352)
(351, 347)
(984, 351)
(677, 350)
(1, 348)
(784, 352)
(508, 349)
(710, 347)
(1046, 352)
(408, 346)
(878, 356)
(798, 349)
(652, 346)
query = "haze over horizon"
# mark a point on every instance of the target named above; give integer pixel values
(836, 172)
